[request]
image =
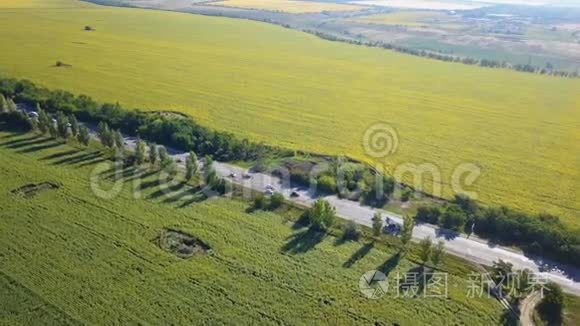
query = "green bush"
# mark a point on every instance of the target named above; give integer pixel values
(351, 231)
(259, 202)
(276, 200)
(552, 305)
(326, 184)
(321, 215)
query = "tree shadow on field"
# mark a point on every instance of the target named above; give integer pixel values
(167, 190)
(187, 193)
(123, 172)
(83, 157)
(34, 141)
(60, 154)
(198, 197)
(303, 241)
(92, 162)
(17, 143)
(390, 264)
(12, 135)
(152, 184)
(142, 176)
(414, 281)
(359, 254)
(53, 143)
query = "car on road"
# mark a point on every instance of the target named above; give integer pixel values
(270, 187)
(233, 175)
(269, 192)
(294, 194)
(247, 176)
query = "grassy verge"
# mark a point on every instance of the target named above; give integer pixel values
(85, 259)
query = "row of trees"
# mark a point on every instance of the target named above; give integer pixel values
(180, 133)
(157, 154)
(548, 70)
(63, 126)
(183, 133)
(537, 234)
(7, 104)
(431, 253)
(67, 127)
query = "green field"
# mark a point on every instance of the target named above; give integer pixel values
(67, 256)
(292, 89)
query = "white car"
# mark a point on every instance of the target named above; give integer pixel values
(233, 175)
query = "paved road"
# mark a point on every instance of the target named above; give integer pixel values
(472, 249)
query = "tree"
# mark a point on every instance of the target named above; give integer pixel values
(44, 121)
(501, 270)
(425, 249)
(52, 130)
(153, 154)
(407, 232)
(170, 167)
(74, 125)
(118, 141)
(552, 305)
(326, 184)
(438, 253)
(3, 103)
(84, 136)
(208, 161)
(163, 155)
(139, 152)
(62, 124)
(453, 218)
(377, 224)
(191, 166)
(429, 214)
(406, 195)
(105, 134)
(10, 105)
(321, 215)
(524, 285)
(210, 174)
(276, 200)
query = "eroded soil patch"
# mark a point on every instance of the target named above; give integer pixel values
(32, 189)
(181, 244)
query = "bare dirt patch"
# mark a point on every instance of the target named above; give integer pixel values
(182, 244)
(32, 189)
